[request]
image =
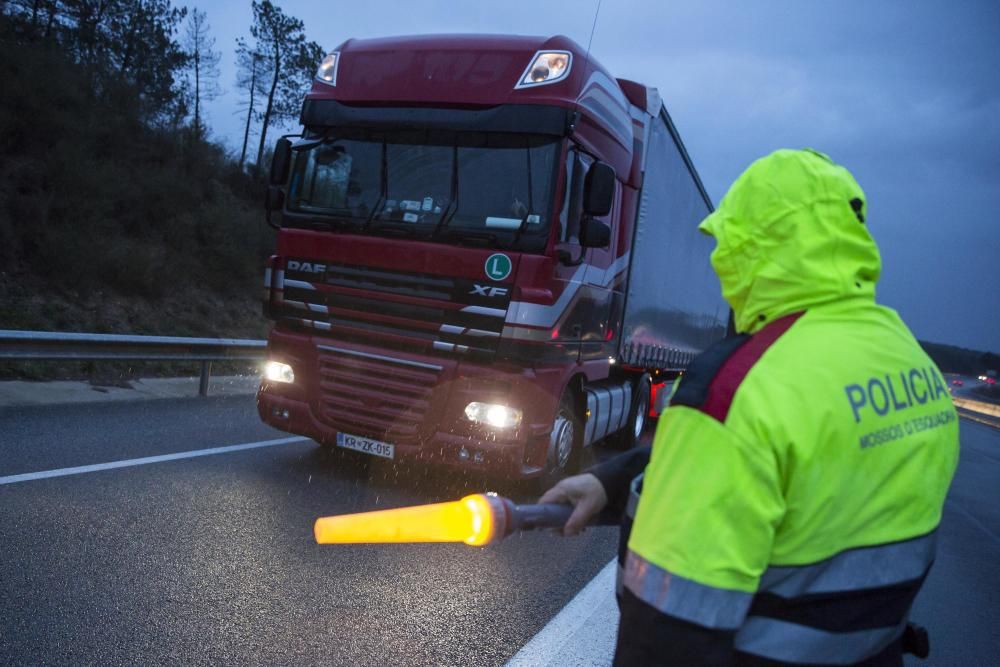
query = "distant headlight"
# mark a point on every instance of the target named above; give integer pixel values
(275, 371)
(327, 72)
(493, 414)
(547, 67)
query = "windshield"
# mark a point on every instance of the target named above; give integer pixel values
(471, 188)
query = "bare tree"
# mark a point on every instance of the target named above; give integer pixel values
(203, 67)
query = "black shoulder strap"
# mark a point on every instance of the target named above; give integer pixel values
(693, 389)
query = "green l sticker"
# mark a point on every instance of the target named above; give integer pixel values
(498, 266)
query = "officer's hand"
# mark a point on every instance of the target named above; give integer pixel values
(585, 493)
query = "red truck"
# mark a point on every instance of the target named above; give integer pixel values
(487, 254)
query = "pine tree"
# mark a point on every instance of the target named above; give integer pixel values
(291, 61)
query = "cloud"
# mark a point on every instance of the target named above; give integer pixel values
(904, 94)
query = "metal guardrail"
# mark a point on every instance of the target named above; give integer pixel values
(981, 407)
(45, 345)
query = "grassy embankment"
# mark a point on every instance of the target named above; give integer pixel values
(109, 225)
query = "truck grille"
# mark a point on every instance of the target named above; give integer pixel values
(373, 395)
(411, 311)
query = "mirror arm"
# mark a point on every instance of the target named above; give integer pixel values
(269, 201)
(566, 258)
(267, 218)
(267, 214)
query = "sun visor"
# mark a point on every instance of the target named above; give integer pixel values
(515, 118)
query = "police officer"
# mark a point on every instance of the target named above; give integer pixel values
(789, 509)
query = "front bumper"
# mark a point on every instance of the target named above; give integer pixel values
(507, 457)
(415, 403)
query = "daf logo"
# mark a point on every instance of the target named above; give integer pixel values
(308, 267)
(486, 290)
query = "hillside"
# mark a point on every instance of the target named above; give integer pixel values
(112, 223)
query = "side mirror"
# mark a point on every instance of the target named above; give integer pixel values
(598, 189)
(281, 161)
(594, 234)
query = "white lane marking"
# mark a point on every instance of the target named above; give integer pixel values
(582, 633)
(128, 463)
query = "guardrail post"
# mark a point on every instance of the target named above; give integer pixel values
(206, 371)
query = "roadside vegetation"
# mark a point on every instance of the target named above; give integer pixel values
(118, 212)
(952, 359)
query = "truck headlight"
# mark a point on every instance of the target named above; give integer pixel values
(275, 371)
(493, 414)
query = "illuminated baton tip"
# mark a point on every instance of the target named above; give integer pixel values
(483, 512)
(475, 520)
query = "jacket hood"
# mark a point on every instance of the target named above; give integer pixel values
(790, 234)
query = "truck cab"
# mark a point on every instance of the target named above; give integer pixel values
(456, 256)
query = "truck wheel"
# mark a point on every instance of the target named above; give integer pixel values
(638, 416)
(564, 442)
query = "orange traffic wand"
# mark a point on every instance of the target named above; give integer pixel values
(476, 520)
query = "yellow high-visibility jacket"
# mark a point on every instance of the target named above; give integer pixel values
(789, 508)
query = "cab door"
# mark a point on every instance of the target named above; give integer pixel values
(592, 276)
(569, 321)
(603, 284)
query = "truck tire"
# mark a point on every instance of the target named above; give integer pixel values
(638, 416)
(564, 442)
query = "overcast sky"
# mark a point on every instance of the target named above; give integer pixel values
(904, 94)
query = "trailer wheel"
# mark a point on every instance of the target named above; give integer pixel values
(638, 416)
(564, 441)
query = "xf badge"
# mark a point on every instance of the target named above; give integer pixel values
(486, 290)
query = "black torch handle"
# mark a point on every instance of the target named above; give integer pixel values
(547, 515)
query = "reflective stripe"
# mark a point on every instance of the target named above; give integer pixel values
(856, 569)
(790, 642)
(634, 489)
(682, 598)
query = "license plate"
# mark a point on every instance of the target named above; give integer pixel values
(366, 445)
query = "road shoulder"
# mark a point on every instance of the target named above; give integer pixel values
(583, 633)
(18, 393)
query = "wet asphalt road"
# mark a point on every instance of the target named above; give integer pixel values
(960, 601)
(212, 561)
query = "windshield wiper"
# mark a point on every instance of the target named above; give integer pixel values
(452, 207)
(383, 192)
(321, 221)
(531, 201)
